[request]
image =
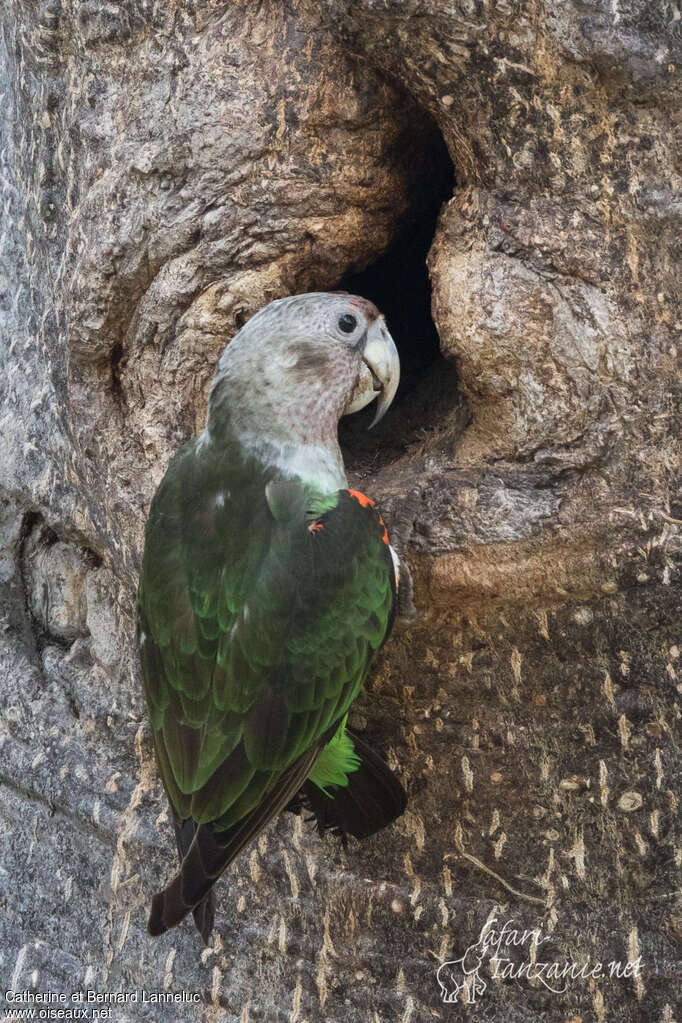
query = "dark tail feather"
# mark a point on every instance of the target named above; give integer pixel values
(204, 912)
(191, 888)
(204, 916)
(209, 853)
(373, 798)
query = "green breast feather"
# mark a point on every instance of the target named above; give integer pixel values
(261, 604)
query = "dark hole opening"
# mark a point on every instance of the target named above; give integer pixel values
(398, 283)
(116, 365)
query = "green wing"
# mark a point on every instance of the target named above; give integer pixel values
(261, 604)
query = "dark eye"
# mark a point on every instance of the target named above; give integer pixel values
(347, 323)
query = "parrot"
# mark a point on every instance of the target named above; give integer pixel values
(266, 588)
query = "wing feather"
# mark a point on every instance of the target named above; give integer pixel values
(258, 628)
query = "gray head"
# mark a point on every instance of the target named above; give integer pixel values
(300, 364)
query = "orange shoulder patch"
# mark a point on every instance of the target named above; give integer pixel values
(362, 499)
(367, 502)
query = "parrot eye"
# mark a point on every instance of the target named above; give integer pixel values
(347, 323)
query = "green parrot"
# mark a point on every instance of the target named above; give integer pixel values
(266, 588)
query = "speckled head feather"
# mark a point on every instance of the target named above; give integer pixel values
(291, 372)
(302, 364)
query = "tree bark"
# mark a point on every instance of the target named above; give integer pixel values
(167, 168)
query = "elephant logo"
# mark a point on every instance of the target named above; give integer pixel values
(460, 979)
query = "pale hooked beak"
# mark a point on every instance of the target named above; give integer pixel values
(380, 373)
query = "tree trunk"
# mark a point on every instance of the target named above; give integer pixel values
(166, 168)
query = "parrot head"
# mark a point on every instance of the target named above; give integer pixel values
(302, 363)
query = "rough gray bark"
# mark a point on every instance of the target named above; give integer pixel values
(165, 169)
